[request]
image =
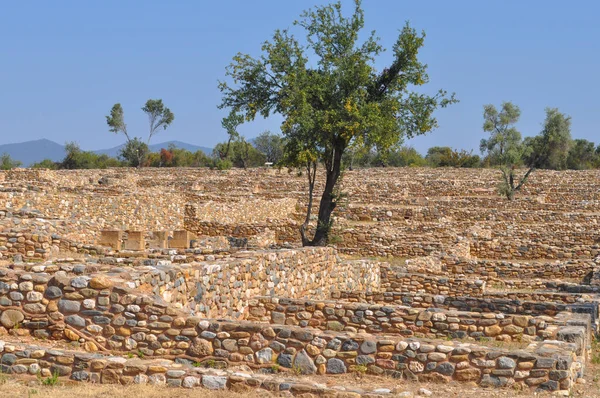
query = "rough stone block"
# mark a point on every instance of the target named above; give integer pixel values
(135, 241)
(111, 239)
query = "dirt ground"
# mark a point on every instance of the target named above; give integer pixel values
(12, 388)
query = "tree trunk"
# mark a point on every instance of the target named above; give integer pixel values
(328, 202)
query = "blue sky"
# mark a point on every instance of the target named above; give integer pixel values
(63, 64)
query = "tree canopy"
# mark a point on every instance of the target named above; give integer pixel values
(135, 150)
(504, 144)
(330, 94)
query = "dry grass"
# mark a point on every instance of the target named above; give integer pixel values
(14, 389)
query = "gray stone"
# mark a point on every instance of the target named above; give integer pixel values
(335, 366)
(79, 282)
(175, 373)
(506, 363)
(53, 292)
(190, 382)
(304, 363)
(214, 382)
(69, 306)
(75, 320)
(16, 296)
(80, 376)
(285, 360)
(334, 344)
(364, 360)
(368, 347)
(264, 356)
(349, 345)
(445, 368)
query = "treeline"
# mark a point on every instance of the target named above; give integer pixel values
(267, 147)
(553, 148)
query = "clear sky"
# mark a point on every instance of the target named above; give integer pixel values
(63, 64)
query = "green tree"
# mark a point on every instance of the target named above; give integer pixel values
(447, 157)
(503, 147)
(437, 156)
(547, 150)
(230, 123)
(159, 116)
(582, 155)
(75, 158)
(7, 163)
(45, 164)
(134, 152)
(336, 99)
(550, 149)
(271, 145)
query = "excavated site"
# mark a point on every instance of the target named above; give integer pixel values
(196, 279)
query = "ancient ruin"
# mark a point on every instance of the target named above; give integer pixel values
(195, 278)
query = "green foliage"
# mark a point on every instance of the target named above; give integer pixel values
(271, 146)
(46, 164)
(582, 155)
(78, 159)
(49, 381)
(447, 157)
(550, 149)
(230, 123)
(224, 164)
(503, 147)
(240, 154)
(116, 120)
(7, 163)
(158, 116)
(361, 369)
(178, 157)
(134, 152)
(338, 99)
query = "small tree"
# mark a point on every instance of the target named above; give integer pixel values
(7, 163)
(134, 152)
(503, 147)
(230, 123)
(271, 145)
(159, 117)
(549, 149)
(582, 155)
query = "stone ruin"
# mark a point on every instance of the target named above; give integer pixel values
(195, 278)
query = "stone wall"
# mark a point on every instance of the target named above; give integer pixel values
(550, 366)
(522, 270)
(397, 279)
(532, 304)
(404, 321)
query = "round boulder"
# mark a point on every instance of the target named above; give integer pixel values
(10, 318)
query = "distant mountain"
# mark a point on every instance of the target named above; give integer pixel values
(34, 151)
(30, 152)
(157, 147)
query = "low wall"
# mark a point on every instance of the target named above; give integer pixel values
(397, 279)
(32, 245)
(548, 366)
(222, 289)
(406, 321)
(508, 269)
(534, 304)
